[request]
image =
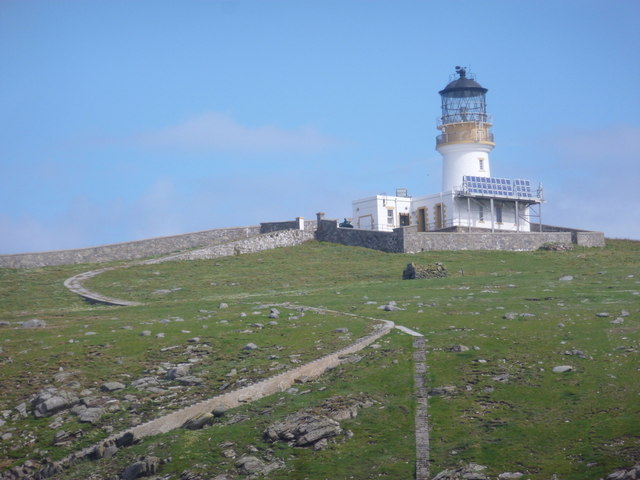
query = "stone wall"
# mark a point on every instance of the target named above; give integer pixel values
(409, 240)
(129, 250)
(328, 231)
(414, 241)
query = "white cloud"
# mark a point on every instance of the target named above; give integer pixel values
(219, 132)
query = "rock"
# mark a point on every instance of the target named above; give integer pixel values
(577, 353)
(303, 429)
(144, 382)
(52, 400)
(433, 270)
(562, 368)
(143, 467)
(442, 391)
(250, 465)
(617, 321)
(219, 412)
(472, 471)
(190, 380)
(566, 278)
(250, 346)
(341, 330)
(22, 409)
(223, 306)
(145, 333)
(510, 316)
(112, 386)
(510, 475)
(194, 340)
(602, 314)
(34, 323)
(91, 415)
(459, 348)
(503, 378)
(179, 371)
(199, 421)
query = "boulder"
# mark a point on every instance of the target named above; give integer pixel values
(199, 421)
(432, 270)
(562, 368)
(303, 429)
(112, 386)
(52, 400)
(142, 467)
(91, 415)
(34, 323)
(179, 371)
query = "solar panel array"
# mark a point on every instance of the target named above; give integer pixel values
(497, 187)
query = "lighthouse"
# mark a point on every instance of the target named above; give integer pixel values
(470, 199)
(466, 139)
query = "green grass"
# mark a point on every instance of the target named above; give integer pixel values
(578, 425)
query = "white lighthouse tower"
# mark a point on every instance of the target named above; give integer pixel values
(466, 139)
(470, 199)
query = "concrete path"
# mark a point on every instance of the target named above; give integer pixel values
(422, 420)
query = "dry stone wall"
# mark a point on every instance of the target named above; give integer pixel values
(129, 250)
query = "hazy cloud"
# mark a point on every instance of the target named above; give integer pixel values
(219, 132)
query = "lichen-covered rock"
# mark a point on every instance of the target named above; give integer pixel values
(303, 429)
(432, 270)
(52, 400)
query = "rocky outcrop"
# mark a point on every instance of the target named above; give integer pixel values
(432, 270)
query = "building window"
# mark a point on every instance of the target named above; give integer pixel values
(389, 217)
(481, 213)
(481, 164)
(499, 214)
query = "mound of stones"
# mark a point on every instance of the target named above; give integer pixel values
(431, 270)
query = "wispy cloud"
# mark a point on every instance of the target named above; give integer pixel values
(219, 132)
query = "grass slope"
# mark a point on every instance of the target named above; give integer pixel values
(506, 408)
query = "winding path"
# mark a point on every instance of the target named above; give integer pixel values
(250, 393)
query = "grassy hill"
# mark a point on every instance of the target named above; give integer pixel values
(498, 404)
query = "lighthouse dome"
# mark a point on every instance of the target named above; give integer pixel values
(463, 86)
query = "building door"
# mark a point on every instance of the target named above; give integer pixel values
(439, 216)
(405, 219)
(422, 219)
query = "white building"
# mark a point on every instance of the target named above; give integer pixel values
(471, 198)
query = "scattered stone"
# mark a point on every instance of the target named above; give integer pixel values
(250, 346)
(194, 340)
(566, 278)
(502, 378)
(190, 380)
(179, 371)
(34, 323)
(112, 386)
(602, 314)
(442, 391)
(199, 421)
(459, 348)
(433, 270)
(341, 330)
(144, 382)
(222, 306)
(577, 353)
(142, 467)
(617, 321)
(510, 476)
(145, 333)
(472, 471)
(250, 465)
(562, 368)
(160, 335)
(625, 474)
(91, 415)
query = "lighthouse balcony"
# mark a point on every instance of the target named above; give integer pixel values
(467, 135)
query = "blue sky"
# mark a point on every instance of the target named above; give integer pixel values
(122, 120)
